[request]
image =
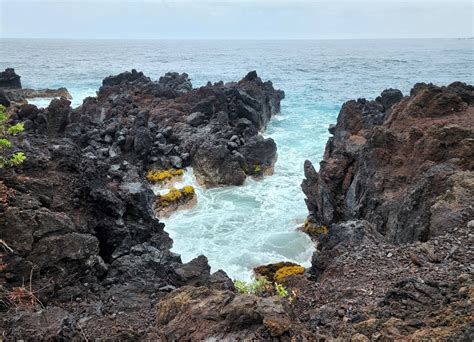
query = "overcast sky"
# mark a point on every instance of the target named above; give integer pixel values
(236, 19)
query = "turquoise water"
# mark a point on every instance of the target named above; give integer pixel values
(240, 227)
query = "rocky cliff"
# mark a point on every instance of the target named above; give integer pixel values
(402, 163)
(391, 212)
(9, 79)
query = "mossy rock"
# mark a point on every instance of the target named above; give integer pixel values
(268, 271)
(313, 229)
(287, 271)
(159, 176)
(253, 170)
(175, 195)
(175, 199)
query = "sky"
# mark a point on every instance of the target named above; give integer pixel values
(236, 19)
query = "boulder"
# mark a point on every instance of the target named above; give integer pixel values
(195, 119)
(199, 313)
(9, 79)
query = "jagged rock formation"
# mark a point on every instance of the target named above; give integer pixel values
(370, 290)
(403, 164)
(214, 128)
(223, 315)
(77, 217)
(394, 195)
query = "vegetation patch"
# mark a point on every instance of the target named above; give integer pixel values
(174, 199)
(6, 132)
(159, 176)
(253, 170)
(260, 287)
(175, 195)
(269, 270)
(287, 271)
(313, 229)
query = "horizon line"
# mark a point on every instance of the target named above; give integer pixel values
(233, 39)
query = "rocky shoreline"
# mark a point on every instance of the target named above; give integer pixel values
(390, 209)
(11, 91)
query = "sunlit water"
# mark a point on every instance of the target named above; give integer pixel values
(240, 227)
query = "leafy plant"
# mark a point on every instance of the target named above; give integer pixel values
(7, 131)
(281, 290)
(241, 286)
(260, 287)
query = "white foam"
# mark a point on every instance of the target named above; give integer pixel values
(239, 228)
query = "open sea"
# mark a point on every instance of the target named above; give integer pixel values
(238, 228)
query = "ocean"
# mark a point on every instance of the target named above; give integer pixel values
(238, 228)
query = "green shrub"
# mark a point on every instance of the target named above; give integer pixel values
(260, 287)
(7, 131)
(241, 286)
(281, 290)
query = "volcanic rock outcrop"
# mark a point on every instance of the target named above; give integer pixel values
(392, 208)
(213, 128)
(11, 90)
(81, 245)
(403, 164)
(9, 79)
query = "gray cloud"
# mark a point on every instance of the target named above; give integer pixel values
(232, 19)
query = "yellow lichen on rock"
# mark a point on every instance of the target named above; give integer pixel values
(175, 196)
(258, 168)
(162, 175)
(171, 196)
(313, 229)
(287, 271)
(188, 190)
(268, 271)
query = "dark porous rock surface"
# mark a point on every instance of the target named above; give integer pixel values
(393, 201)
(200, 313)
(214, 128)
(403, 164)
(77, 225)
(394, 260)
(9, 79)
